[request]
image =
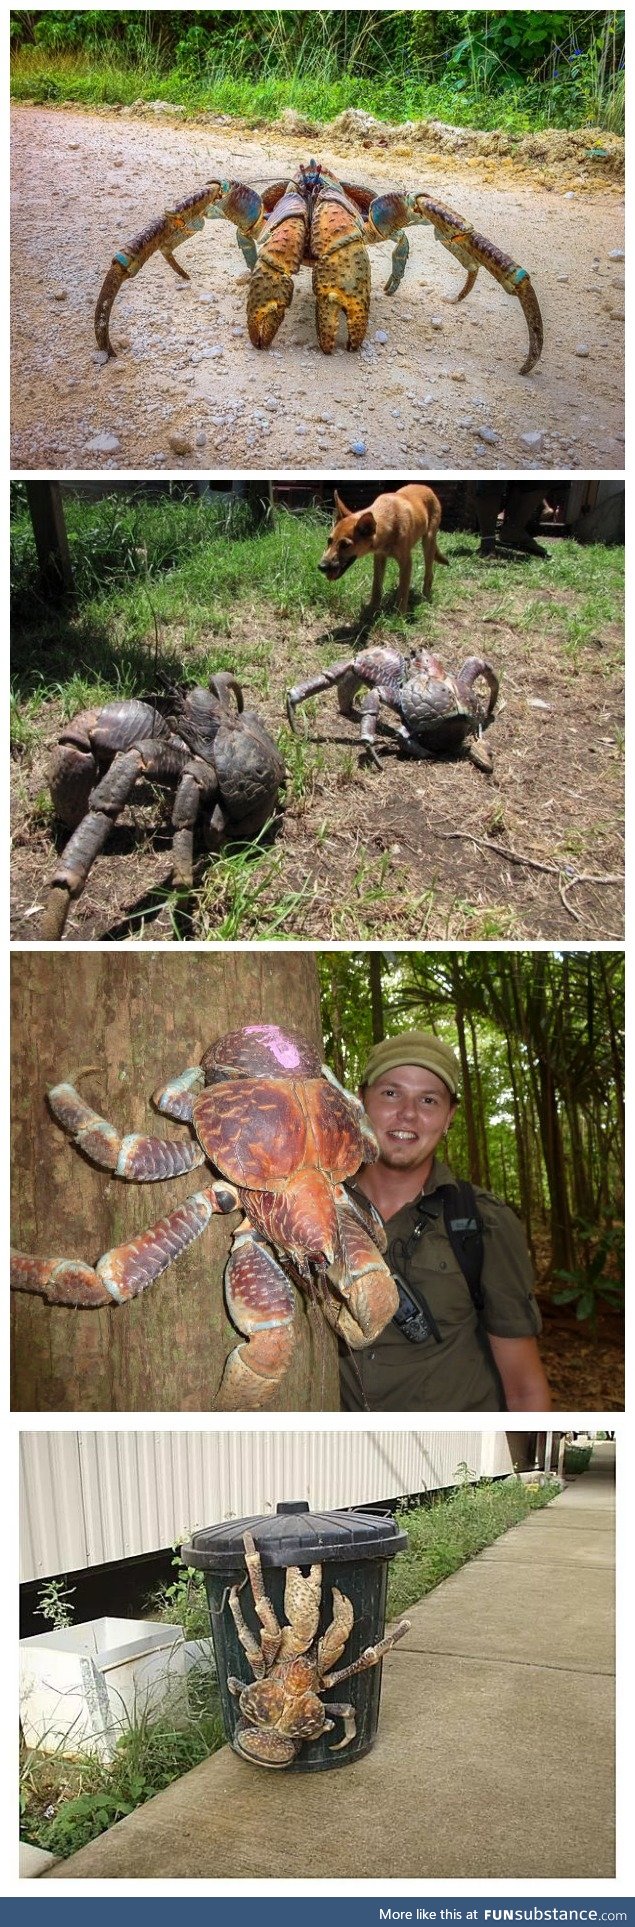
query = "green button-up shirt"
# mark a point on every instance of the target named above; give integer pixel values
(459, 1374)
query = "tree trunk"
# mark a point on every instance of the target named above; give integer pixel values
(376, 996)
(141, 1017)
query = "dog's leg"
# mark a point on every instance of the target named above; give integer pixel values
(379, 571)
(428, 544)
(405, 577)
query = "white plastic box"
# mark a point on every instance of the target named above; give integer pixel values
(82, 1686)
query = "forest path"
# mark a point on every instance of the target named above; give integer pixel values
(85, 183)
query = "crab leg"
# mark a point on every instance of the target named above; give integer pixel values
(279, 256)
(140, 1159)
(128, 1269)
(197, 786)
(315, 684)
(347, 1713)
(367, 1296)
(228, 200)
(371, 1656)
(261, 1304)
(389, 213)
(176, 1099)
(341, 276)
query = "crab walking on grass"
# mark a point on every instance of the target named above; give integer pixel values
(439, 714)
(292, 1667)
(316, 220)
(272, 1119)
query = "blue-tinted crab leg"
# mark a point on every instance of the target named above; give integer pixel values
(128, 1269)
(141, 1159)
(389, 213)
(398, 266)
(227, 200)
(313, 686)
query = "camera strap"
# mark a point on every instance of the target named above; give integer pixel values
(464, 1231)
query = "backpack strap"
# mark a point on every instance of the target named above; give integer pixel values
(464, 1230)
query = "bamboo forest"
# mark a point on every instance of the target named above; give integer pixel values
(541, 1119)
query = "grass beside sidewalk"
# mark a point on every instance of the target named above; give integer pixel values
(444, 1535)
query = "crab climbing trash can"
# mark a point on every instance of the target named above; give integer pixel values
(298, 1603)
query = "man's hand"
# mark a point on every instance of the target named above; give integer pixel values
(524, 1381)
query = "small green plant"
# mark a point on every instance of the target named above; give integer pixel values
(55, 1603)
(184, 1602)
(454, 1527)
(598, 1279)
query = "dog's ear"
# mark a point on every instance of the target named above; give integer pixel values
(366, 526)
(341, 506)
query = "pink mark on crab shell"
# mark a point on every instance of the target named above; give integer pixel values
(281, 1047)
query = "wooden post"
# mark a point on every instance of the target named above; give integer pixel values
(49, 528)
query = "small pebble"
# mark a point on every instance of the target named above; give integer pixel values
(201, 438)
(100, 358)
(582, 348)
(358, 448)
(617, 254)
(533, 438)
(102, 445)
(456, 374)
(562, 277)
(570, 196)
(180, 444)
(380, 334)
(436, 321)
(60, 294)
(206, 297)
(487, 435)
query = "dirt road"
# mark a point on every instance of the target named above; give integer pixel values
(419, 395)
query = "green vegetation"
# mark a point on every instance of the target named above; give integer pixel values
(515, 70)
(88, 1795)
(443, 1535)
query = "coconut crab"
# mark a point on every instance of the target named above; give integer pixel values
(273, 1120)
(329, 225)
(292, 1667)
(222, 764)
(438, 713)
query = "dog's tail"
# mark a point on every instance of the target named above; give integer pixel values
(438, 557)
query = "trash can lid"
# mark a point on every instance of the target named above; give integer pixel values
(294, 1536)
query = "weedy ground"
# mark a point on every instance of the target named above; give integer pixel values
(66, 1803)
(419, 850)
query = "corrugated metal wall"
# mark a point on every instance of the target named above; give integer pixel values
(87, 1497)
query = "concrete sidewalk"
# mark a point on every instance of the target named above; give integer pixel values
(494, 1758)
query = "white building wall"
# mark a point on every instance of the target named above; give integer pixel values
(89, 1497)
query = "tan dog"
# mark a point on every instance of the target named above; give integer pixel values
(388, 531)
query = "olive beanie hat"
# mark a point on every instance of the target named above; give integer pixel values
(414, 1047)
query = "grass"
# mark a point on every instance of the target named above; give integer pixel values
(442, 1536)
(226, 596)
(486, 95)
(66, 1803)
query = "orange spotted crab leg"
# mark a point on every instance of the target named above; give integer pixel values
(218, 200)
(261, 1305)
(390, 213)
(278, 257)
(341, 276)
(128, 1269)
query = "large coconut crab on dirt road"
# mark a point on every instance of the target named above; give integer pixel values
(282, 1709)
(327, 224)
(439, 714)
(221, 763)
(284, 1135)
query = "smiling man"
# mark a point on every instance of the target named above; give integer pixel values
(464, 1337)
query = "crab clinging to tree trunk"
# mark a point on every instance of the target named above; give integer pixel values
(438, 713)
(221, 763)
(284, 1136)
(283, 1709)
(328, 225)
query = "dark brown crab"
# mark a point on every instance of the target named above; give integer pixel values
(221, 763)
(283, 1709)
(284, 1135)
(328, 225)
(439, 713)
